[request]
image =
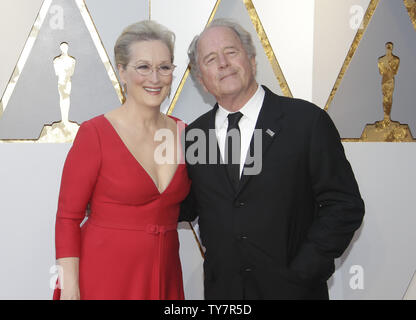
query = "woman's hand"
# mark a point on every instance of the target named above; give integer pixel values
(70, 293)
(69, 278)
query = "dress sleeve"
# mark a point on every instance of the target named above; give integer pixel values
(79, 176)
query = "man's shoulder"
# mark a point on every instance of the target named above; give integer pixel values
(202, 122)
(297, 105)
(290, 105)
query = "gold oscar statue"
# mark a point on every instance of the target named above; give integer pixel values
(64, 130)
(411, 8)
(388, 66)
(386, 129)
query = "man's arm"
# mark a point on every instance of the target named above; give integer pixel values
(340, 207)
(188, 208)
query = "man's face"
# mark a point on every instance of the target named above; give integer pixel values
(225, 69)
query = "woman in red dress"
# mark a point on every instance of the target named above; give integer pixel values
(128, 248)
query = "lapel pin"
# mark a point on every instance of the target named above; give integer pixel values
(270, 132)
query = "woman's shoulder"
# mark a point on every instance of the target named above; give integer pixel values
(179, 124)
(97, 120)
(174, 118)
(92, 127)
(177, 120)
(98, 123)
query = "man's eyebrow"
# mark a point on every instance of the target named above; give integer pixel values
(208, 55)
(212, 53)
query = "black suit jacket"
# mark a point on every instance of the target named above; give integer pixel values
(275, 237)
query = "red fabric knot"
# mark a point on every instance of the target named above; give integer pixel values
(152, 229)
(157, 229)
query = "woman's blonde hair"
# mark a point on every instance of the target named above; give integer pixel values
(146, 30)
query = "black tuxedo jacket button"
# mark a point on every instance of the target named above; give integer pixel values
(239, 204)
(246, 269)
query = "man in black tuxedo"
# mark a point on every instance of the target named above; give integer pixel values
(273, 225)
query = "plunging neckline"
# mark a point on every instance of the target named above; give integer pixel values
(138, 162)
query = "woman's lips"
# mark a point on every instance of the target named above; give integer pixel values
(153, 91)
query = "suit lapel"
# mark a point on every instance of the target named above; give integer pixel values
(269, 122)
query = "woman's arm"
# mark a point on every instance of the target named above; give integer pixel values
(77, 184)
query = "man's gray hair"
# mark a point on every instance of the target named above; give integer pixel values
(146, 30)
(243, 35)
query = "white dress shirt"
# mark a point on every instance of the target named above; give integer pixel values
(247, 124)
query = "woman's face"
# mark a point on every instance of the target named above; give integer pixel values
(147, 90)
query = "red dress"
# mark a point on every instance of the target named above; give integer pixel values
(129, 247)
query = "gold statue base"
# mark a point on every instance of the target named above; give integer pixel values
(388, 131)
(59, 132)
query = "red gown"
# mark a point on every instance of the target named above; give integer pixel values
(129, 247)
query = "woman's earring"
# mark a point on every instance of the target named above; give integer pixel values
(124, 92)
